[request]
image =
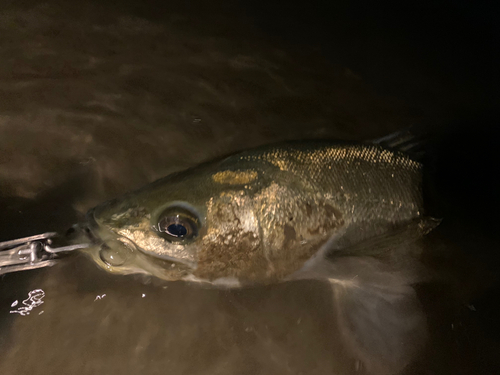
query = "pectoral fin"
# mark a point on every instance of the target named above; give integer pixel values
(378, 316)
(396, 246)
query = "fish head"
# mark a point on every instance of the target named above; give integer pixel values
(172, 226)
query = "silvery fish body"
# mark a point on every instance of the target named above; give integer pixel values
(260, 215)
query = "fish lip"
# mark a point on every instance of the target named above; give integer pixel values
(90, 227)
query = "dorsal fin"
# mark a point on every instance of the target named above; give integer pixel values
(406, 140)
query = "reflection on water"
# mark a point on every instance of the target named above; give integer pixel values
(35, 299)
(95, 101)
(125, 325)
(98, 297)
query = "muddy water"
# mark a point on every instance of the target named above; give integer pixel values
(96, 100)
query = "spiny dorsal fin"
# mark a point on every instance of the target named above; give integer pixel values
(406, 140)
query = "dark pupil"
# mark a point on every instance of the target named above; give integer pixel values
(177, 230)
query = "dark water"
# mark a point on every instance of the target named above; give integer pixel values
(97, 99)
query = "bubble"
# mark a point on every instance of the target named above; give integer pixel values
(115, 254)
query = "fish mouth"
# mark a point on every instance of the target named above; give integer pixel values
(90, 227)
(95, 233)
(85, 231)
(99, 236)
(119, 255)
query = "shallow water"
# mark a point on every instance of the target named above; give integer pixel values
(95, 101)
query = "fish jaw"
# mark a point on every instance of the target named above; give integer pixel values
(119, 255)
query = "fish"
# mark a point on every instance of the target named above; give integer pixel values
(350, 214)
(261, 215)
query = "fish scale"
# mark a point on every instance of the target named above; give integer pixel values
(348, 170)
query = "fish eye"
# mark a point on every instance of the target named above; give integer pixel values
(178, 224)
